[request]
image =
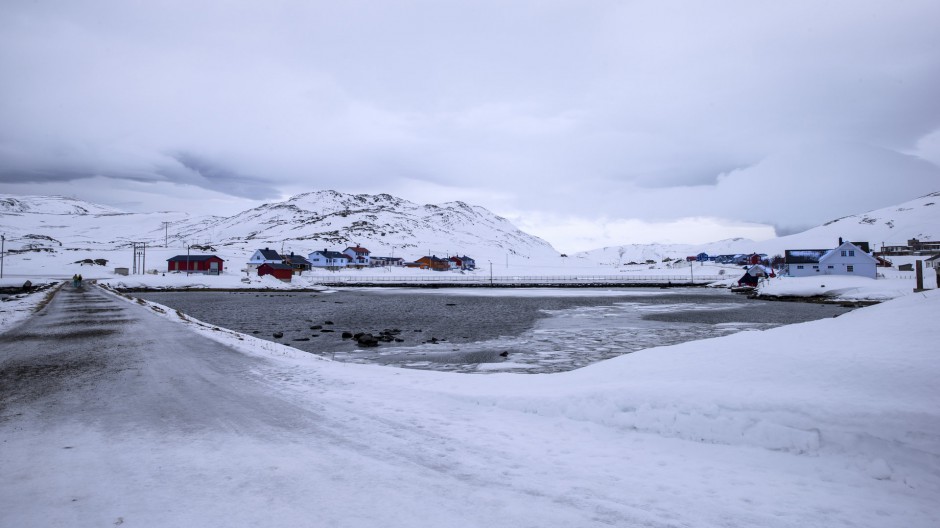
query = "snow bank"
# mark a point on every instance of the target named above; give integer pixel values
(840, 287)
(15, 308)
(200, 281)
(863, 384)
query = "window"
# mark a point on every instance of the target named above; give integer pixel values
(830, 267)
(843, 253)
(850, 269)
(815, 267)
(851, 253)
(799, 267)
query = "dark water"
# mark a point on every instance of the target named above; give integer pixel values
(478, 330)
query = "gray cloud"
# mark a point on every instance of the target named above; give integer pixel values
(748, 111)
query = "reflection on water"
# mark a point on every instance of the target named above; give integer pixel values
(491, 330)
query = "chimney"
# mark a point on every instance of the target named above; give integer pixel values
(840, 241)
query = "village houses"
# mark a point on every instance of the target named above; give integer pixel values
(351, 257)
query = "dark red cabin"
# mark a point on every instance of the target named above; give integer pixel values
(280, 271)
(208, 264)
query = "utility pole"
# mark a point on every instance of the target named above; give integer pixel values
(187, 259)
(692, 271)
(140, 257)
(166, 234)
(3, 241)
(491, 273)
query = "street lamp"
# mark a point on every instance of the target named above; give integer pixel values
(187, 259)
(491, 273)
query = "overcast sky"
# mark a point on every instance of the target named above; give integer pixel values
(589, 123)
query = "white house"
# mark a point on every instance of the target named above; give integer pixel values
(847, 259)
(263, 256)
(933, 262)
(358, 256)
(328, 259)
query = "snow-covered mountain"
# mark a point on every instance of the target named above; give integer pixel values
(63, 229)
(894, 225)
(60, 205)
(386, 225)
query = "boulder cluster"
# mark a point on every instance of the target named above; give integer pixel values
(366, 339)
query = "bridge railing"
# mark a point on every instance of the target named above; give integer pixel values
(518, 279)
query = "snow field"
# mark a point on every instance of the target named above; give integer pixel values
(827, 423)
(861, 385)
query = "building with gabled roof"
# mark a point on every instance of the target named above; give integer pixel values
(279, 271)
(846, 259)
(327, 259)
(264, 256)
(205, 264)
(434, 263)
(358, 256)
(298, 263)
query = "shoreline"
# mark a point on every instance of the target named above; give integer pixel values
(817, 299)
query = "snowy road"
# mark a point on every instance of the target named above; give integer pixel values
(113, 415)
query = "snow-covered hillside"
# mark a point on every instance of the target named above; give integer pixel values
(384, 224)
(918, 218)
(48, 233)
(60, 205)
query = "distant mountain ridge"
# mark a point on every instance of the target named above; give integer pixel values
(918, 218)
(391, 226)
(62, 205)
(383, 223)
(387, 225)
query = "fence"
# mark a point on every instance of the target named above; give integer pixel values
(519, 280)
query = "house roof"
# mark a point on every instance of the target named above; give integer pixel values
(269, 254)
(276, 266)
(935, 257)
(358, 249)
(434, 258)
(192, 258)
(859, 252)
(296, 259)
(331, 254)
(804, 256)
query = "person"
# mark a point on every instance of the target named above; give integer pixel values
(79, 280)
(75, 281)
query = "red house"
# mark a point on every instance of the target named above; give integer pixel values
(280, 271)
(434, 263)
(206, 264)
